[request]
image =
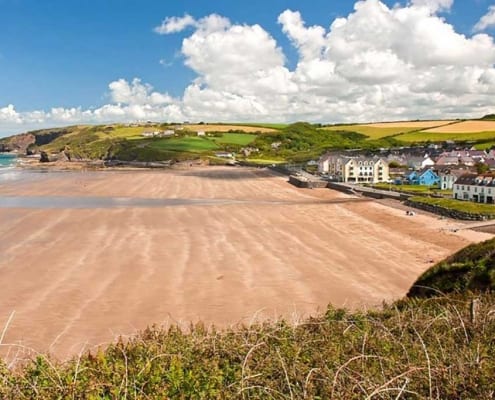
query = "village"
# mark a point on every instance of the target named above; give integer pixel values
(462, 174)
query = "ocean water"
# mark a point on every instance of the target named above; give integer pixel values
(7, 160)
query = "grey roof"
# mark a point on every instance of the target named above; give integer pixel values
(476, 179)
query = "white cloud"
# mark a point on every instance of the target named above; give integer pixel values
(175, 24)
(486, 21)
(434, 5)
(377, 63)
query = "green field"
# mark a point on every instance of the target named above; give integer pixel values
(371, 131)
(184, 144)
(261, 125)
(241, 139)
(411, 188)
(422, 136)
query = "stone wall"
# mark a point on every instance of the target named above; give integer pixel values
(447, 212)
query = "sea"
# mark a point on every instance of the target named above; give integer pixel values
(7, 160)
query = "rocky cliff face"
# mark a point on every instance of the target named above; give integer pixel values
(17, 143)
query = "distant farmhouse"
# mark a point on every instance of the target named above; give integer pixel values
(156, 133)
(474, 187)
(354, 169)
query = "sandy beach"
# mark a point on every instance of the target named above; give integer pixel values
(79, 273)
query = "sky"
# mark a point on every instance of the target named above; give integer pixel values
(99, 61)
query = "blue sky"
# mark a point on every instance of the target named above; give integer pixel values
(56, 53)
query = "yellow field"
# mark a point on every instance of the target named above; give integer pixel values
(409, 124)
(384, 129)
(465, 127)
(226, 128)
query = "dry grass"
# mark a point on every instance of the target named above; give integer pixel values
(409, 124)
(465, 127)
(227, 128)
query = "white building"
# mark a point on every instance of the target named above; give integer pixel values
(354, 169)
(448, 178)
(474, 187)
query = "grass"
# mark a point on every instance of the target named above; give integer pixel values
(414, 349)
(458, 205)
(411, 188)
(262, 125)
(441, 137)
(184, 144)
(470, 269)
(371, 131)
(241, 139)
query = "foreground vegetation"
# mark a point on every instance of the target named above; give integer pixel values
(471, 269)
(414, 349)
(421, 347)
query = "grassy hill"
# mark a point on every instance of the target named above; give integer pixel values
(274, 142)
(416, 348)
(470, 269)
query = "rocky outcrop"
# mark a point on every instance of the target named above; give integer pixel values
(19, 143)
(44, 157)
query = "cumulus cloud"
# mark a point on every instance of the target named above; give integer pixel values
(434, 5)
(377, 63)
(175, 24)
(486, 21)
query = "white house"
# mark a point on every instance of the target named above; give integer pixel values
(419, 163)
(475, 187)
(448, 178)
(354, 169)
(201, 133)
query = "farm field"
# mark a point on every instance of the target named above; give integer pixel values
(183, 144)
(423, 136)
(242, 139)
(221, 245)
(384, 129)
(371, 131)
(465, 127)
(227, 128)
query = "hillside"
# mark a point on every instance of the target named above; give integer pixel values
(261, 143)
(470, 269)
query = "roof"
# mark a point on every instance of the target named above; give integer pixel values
(476, 179)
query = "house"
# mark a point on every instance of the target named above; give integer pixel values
(155, 133)
(201, 133)
(426, 177)
(490, 162)
(354, 169)
(418, 163)
(467, 160)
(168, 132)
(475, 187)
(444, 160)
(448, 177)
(224, 154)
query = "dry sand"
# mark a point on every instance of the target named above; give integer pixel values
(466, 127)
(75, 278)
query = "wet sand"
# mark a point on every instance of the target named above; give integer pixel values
(222, 245)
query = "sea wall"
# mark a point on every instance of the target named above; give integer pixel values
(448, 212)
